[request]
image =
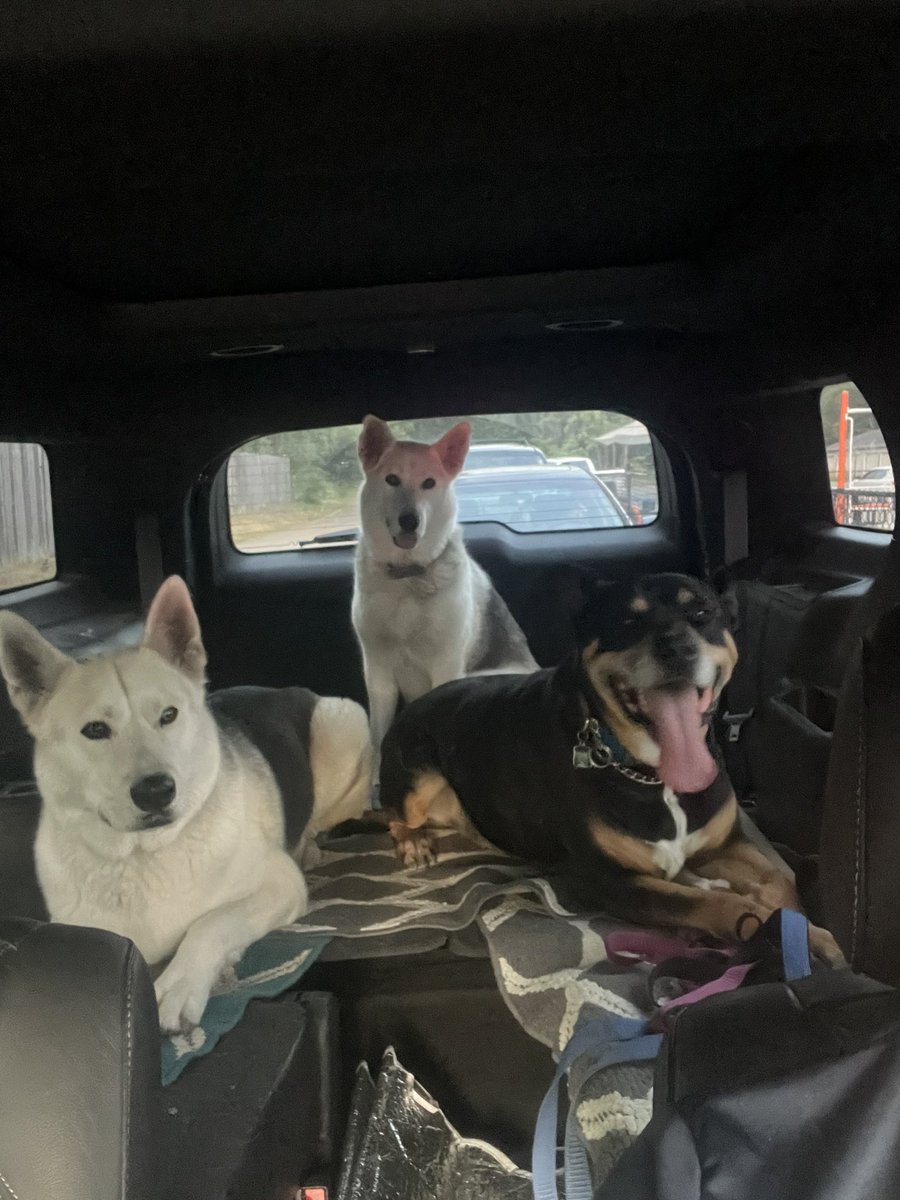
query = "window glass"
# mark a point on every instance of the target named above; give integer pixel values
(27, 552)
(531, 472)
(862, 479)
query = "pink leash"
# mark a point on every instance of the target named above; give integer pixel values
(627, 948)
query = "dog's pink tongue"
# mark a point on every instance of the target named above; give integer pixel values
(405, 541)
(685, 763)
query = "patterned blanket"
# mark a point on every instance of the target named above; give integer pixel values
(550, 964)
(362, 898)
(363, 904)
(552, 969)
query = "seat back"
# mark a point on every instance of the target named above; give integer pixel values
(860, 843)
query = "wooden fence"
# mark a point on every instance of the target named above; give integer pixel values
(258, 481)
(26, 515)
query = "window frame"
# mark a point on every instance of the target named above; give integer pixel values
(665, 539)
(221, 477)
(865, 530)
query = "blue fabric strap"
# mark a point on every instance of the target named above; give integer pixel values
(795, 945)
(607, 1041)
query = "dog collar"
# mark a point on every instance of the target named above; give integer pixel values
(597, 748)
(404, 570)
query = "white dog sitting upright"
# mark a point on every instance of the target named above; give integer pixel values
(424, 611)
(165, 815)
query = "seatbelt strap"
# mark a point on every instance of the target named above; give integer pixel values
(735, 535)
(741, 693)
(736, 548)
(148, 550)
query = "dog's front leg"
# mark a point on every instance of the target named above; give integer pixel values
(383, 698)
(219, 938)
(446, 669)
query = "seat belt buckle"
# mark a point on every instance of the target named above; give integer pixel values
(735, 723)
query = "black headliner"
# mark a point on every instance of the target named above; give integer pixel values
(719, 176)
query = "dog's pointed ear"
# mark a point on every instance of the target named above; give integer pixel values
(453, 447)
(375, 438)
(29, 664)
(173, 630)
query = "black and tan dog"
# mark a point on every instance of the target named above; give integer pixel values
(603, 768)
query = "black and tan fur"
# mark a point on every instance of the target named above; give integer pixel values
(493, 756)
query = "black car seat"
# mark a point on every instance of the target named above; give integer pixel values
(860, 845)
(79, 1065)
(778, 711)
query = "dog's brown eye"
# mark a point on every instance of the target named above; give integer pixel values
(167, 716)
(426, 484)
(392, 480)
(701, 614)
(96, 731)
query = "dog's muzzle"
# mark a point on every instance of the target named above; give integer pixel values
(408, 536)
(153, 795)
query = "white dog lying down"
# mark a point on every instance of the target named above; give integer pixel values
(166, 815)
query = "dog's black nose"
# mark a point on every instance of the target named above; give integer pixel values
(153, 793)
(675, 643)
(409, 522)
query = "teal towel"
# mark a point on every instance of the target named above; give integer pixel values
(267, 968)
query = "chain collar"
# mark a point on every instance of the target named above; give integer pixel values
(591, 752)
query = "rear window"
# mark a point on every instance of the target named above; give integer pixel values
(540, 501)
(859, 466)
(27, 551)
(530, 472)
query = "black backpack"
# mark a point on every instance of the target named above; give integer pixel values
(783, 1091)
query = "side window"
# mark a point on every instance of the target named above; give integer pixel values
(531, 472)
(27, 552)
(862, 479)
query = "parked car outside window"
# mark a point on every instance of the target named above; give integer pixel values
(538, 499)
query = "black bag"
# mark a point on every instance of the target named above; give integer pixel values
(781, 1091)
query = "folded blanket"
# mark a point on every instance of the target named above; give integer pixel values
(363, 904)
(267, 968)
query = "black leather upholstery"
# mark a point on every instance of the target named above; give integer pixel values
(860, 846)
(20, 893)
(79, 1065)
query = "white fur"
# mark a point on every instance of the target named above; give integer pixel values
(218, 877)
(419, 630)
(670, 854)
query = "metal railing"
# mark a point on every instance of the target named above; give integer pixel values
(864, 510)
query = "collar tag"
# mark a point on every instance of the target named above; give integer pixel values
(590, 751)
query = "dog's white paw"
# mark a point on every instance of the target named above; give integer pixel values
(181, 993)
(415, 847)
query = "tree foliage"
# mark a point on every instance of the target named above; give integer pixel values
(324, 462)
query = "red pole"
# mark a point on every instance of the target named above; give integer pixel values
(842, 440)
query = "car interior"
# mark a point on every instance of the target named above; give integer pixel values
(226, 222)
